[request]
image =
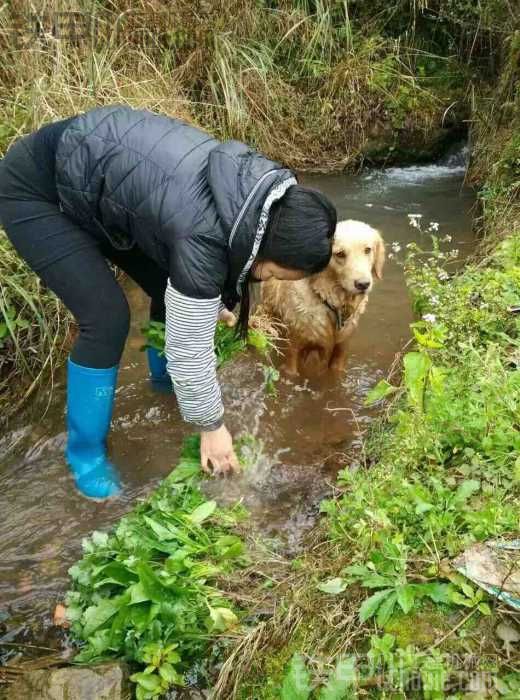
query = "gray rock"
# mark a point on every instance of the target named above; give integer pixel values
(102, 682)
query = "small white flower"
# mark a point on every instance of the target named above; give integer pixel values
(434, 300)
(429, 318)
(443, 275)
(396, 246)
(434, 226)
(415, 220)
(447, 238)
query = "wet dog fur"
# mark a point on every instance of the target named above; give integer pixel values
(321, 312)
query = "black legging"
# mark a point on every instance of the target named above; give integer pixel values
(71, 261)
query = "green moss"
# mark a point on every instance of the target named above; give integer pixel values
(422, 629)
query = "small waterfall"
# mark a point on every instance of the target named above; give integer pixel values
(453, 163)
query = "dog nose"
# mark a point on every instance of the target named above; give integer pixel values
(361, 285)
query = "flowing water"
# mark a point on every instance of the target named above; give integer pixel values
(308, 431)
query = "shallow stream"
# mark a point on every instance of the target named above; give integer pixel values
(309, 431)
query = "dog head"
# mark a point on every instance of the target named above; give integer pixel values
(358, 255)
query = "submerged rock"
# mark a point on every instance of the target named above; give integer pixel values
(103, 682)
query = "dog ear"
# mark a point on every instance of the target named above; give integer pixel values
(379, 258)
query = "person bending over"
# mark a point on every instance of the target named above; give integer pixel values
(190, 219)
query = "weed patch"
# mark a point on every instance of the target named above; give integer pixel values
(148, 592)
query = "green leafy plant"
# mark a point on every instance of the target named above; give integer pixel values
(446, 471)
(227, 343)
(147, 592)
(297, 682)
(385, 572)
(401, 666)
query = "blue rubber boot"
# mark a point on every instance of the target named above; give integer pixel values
(159, 376)
(90, 398)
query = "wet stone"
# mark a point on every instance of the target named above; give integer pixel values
(102, 682)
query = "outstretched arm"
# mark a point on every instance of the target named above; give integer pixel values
(191, 362)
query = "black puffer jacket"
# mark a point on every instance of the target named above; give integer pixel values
(188, 201)
(199, 208)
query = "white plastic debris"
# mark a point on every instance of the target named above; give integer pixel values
(495, 567)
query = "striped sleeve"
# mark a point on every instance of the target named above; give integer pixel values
(190, 356)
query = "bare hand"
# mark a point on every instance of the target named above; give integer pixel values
(228, 317)
(216, 448)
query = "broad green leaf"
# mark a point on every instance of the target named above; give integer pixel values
(427, 340)
(296, 683)
(416, 368)
(341, 681)
(138, 594)
(96, 615)
(100, 641)
(222, 618)
(484, 608)
(385, 610)
(202, 512)
(438, 592)
(185, 470)
(466, 489)
(161, 531)
(405, 597)
(149, 681)
(229, 546)
(333, 586)
(170, 675)
(380, 391)
(151, 585)
(460, 599)
(370, 605)
(115, 573)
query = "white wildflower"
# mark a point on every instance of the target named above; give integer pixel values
(415, 220)
(429, 318)
(396, 246)
(434, 226)
(443, 275)
(434, 300)
(447, 238)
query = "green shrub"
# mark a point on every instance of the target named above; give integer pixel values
(147, 592)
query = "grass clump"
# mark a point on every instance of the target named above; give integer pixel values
(34, 330)
(148, 591)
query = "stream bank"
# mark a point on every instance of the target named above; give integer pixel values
(308, 430)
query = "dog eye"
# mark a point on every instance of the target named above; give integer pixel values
(368, 250)
(340, 254)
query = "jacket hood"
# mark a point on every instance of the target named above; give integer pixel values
(244, 185)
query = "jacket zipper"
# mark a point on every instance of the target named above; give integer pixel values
(242, 211)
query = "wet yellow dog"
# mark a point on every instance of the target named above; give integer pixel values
(321, 312)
